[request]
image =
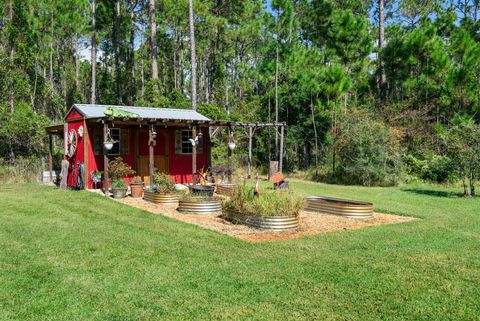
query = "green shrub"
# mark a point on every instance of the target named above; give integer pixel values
(434, 168)
(276, 203)
(368, 152)
(119, 169)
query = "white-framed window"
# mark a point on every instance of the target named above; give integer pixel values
(183, 145)
(121, 136)
(115, 133)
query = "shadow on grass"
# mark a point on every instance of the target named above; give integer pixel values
(430, 192)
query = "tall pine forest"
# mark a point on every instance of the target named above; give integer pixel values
(373, 92)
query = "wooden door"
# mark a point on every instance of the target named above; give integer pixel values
(160, 159)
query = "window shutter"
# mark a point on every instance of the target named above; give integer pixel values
(125, 142)
(178, 142)
(97, 141)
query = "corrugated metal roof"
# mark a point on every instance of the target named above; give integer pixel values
(97, 111)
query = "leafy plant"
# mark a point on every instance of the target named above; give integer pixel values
(277, 203)
(118, 183)
(136, 180)
(162, 183)
(119, 169)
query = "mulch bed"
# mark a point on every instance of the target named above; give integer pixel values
(310, 223)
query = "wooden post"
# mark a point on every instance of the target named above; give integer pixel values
(250, 137)
(280, 159)
(229, 155)
(105, 160)
(194, 157)
(135, 160)
(208, 145)
(50, 159)
(85, 155)
(151, 145)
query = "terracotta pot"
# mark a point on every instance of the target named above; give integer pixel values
(136, 190)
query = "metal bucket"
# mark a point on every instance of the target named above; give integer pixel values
(334, 206)
(160, 198)
(206, 190)
(274, 223)
(204, 206)
(225, 189)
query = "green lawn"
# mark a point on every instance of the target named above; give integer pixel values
(79, 256)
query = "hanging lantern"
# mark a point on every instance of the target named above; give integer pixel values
(231, 143)
(154, 132)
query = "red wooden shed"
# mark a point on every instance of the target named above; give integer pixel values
(136, 131)
(147, 138)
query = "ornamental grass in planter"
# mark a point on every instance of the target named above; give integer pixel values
(273, 210)
(162, 191)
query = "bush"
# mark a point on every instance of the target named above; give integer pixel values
(21, 170)
(368, 152)
(434, 168)
(118, 170)
(277, 203)
(162, 183)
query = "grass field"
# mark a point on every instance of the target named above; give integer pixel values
(78, 256)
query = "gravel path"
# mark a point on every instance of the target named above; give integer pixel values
(310, 223)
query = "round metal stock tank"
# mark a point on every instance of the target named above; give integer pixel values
(274, 223)
(211, 206)
(346, 208)
(160, 198)
(226, 189)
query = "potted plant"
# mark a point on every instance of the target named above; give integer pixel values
(96, 178)
(136, 187)
(118, 170)
(162, 191)
(273, 210)
(204, 187)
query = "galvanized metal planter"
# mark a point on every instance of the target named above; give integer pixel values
(200, 206)
(274, 223)
(346, 208)
(225, 189)
(160, 198)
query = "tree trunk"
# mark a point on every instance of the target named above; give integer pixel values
(51, 52)
(153, 39)
(316, 137)
(142, 62)
(117, 51)
(93, 60)
(192, 57)
(77, 65)
(132, 53)
(276, 104)
(381, 45)
(12, 56)
(472, 183)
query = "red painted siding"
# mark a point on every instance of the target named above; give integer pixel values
(181, 165)
(79, 155)
(73, 115)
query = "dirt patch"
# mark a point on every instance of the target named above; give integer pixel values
(310, 223)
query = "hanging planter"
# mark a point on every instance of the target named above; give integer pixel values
(108, 143)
